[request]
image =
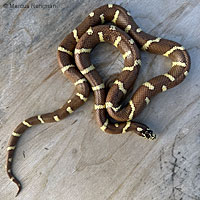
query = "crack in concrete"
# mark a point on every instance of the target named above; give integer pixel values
(174, 165)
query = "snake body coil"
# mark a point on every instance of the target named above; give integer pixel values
(74, 52)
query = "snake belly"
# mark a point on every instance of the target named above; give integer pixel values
(133, 35)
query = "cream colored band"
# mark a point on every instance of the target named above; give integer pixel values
(116, 125)
(62, 49)
(186, 73)
(138, 30)
(75, 33)
(131, 68)
(40, 119)
(149, 85)
(69, 110)
(16, 134)
(112, 27)
(117, 41)
(170, 77)
(172, 50)
(128, 124)
(164, 88)
(115, 16)
(91, 14)
(65, 68)
(149, 42)
(128, 28)
(87, 70)
(98, 87)
(10, 148)
(102, 18)
(181, 64)
(110, 5)
(26, 124)
(131, 41)
(132, 110)
(126, 54)
(83, 50)
(139, 129)
(56, 118)
(82, 80)
(90, 31)
(103, 128)
(98, 107)
(128, 68)
(81, 97)
(121, 86)
(110, 105)
(101, 39)
(147, 100)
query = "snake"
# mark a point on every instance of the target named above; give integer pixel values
(73, 56)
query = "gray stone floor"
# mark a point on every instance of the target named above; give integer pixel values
(73, 159)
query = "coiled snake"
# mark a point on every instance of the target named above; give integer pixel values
(73, 57)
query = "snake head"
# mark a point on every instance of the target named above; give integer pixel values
(144, 131)
(148, 134)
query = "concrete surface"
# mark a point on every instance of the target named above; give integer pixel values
(73, 159)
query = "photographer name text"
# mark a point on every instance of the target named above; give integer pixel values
(10, 5)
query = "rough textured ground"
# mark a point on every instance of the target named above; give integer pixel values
(73, 159)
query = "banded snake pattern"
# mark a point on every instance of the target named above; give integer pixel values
(74, 61)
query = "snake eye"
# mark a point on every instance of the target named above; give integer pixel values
(149, 134)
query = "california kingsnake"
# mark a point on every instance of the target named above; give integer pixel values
(76, 47)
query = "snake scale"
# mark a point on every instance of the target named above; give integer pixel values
(74, 61)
